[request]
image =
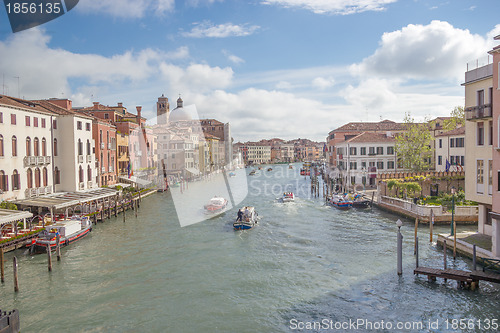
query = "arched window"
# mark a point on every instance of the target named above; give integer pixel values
(88, 147)
(44, 147)
(1, 145)
(36, 147)
(45, 177)
(14, 146)
(4, 184)
(30, 178)
(37, 177)
(89, 173)
(80, 147)
(57, 176)
(55, 147)
(15, 180)
(28, 146)
(80, 174)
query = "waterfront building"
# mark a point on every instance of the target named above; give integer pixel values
(353, 129)
(287, 152)
(122, 154)
(255, 153)
(495, 177)
(73, 147)
(26, 137)
(223, 132)
(360, 158)
(479, 141)
(215, 146)
(450, 150)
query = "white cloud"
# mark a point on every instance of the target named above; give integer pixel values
(196, 77)
(341, 7)
(233, 58)
(208, 29)
(126, 8)
(323, 83)
(435, 51)
(370, 94)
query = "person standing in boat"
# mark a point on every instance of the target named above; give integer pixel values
(240, 215)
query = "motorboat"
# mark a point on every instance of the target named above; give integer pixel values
(247, 218)
(360, 202)
(290, 166)
(69, 230)
(287, 197)
(252, 173)
(270, 169)
(232, 174)
(305, 172)
(340, 201)
(215, 205)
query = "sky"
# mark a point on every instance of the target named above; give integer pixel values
(271, 68)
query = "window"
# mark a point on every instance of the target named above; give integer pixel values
(44, 147)
(480, 97)
(1, 117)
(390, 150)
(490, 172)
(480, 133)
(54, 124)
(1, 145)
(440, 160)
(43, 123)
(27, 120)
(452, 160)
(459, 142)
(45, 177)
(106, 116)
(4, 184)
(490, 129)
(100, 136)
(462, 160)
(89, 173)
(479, 172)
(353, 180)
(80, 174)
(353, 165)
(15, 181)
(12, 119)
(380, 165)
(28, 146)
(37, 177)
(14, 146)
(380, 150)
(35, 122)
(78, 125)
(371, 151)
(452, 143)
(87, 126)
(80, 147)
(36, 147)
(371, 164)
(88, 147)
(55, 147)
(57, 176)
(29, 175)
(363, 165)
(352, 151)
(363, 150)
(390, 165)
(440, 143)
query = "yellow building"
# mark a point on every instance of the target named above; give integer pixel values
(122, 154)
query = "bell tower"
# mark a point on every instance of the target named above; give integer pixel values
(162, 110)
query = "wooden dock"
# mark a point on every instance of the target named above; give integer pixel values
(470, 279)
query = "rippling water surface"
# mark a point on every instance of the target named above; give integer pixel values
(304, 263)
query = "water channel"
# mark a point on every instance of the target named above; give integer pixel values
(304, 263)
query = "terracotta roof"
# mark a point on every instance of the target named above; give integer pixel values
(60, 110)
(371, 137)
(456, 131)
(385, 125)
(210, 136)
(22, 104)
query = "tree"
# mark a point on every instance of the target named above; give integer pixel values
(413, 146)
(8, 205)
(457, 119)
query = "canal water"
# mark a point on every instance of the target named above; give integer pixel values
(306, 267)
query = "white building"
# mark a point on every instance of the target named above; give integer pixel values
(450, 150)
(259, 154)
(362, 157)
(26, 168)
(287, 152)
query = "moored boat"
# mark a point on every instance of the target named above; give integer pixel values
(305, 172)
(290, 166)
(232, 174)
(360, 202)
(215, 205)
(287, 197)
(70, 230)
(270, 169)
(247, 218)
(340, 202)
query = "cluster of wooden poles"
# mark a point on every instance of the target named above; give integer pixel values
(134, 203)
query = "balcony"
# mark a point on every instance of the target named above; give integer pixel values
(80, 158)
(479, 112)
(48, 189)
(89, 158)
(40, 191)
(47, 159)
(111, 169)
(89, 184)
(81, 186)
(102, 145)
(30, 193)
(103, 169)
(29, 161)
(40, 160)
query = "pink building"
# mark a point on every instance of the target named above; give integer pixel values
(495, 214)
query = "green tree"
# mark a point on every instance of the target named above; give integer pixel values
(413, 146)
(8, 205)
(457, 119)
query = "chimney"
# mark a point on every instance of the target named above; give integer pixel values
(139, 108)
(96, 105)
(120, 104)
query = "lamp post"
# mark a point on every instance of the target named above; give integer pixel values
(400, 247)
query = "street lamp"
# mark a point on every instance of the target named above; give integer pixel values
(400, 247)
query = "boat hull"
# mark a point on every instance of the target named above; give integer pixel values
(361, 204)
(242, 226)
(40, 245)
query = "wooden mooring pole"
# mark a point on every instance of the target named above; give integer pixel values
(416, 236)
(16, 279)
(2, 269)
(58, 247)
(416, 247)
(474, 262)
(135, 204)
(49, 258)
(431, 225)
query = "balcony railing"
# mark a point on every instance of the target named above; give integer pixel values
(89, 158)
(89, 184)
(81, 186)
(80, 158)
(103, 169)
(479, 112)
(29, 161)
(48, 189)
(47, 159)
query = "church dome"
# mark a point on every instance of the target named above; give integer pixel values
(179, 114)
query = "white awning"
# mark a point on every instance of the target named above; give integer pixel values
(138, 181)
(8, 216)
(193, 171)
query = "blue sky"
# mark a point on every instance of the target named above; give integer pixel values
(272, 68)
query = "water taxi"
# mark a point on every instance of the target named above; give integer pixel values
(215, 205)
(252, 173)
(247, 218)
(287, 197)
(69, 230)
(340, 202)
(305, 172)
